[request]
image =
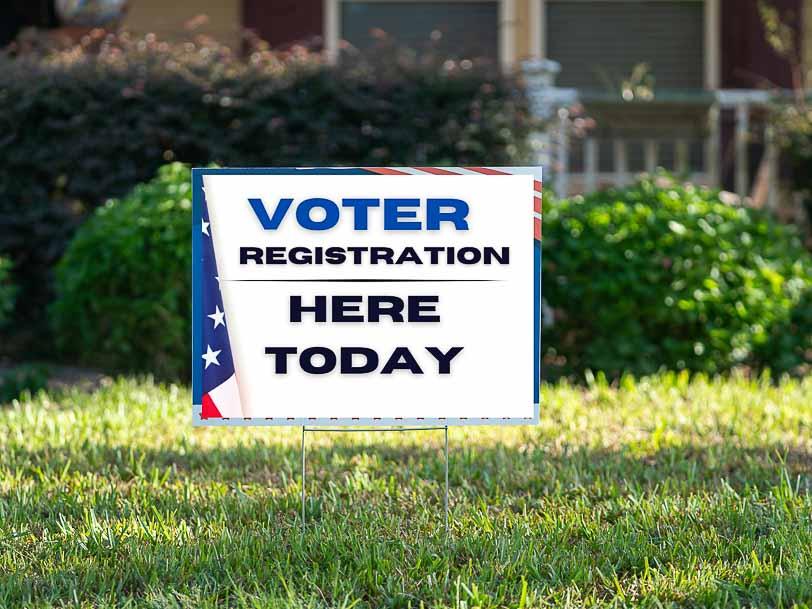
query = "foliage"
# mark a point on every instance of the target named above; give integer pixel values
(663, 274)
(139, 102)
(794, 126)
(35, 237)
(136, 103)
(791, 117)
(23, 382)
(90, 122)
(123, 286)
(7, 290)
(659, 493)
(790, 340)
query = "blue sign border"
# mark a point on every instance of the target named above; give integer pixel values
(198, 197)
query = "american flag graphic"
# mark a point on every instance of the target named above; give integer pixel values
(221, 396)
(456, 171)
(220, 389)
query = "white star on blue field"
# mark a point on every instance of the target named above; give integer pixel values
(218, 365)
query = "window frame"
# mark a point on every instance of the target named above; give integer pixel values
(711, 55)
(506, 25)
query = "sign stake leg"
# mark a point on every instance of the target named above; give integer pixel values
(303, 477)
(446, 481)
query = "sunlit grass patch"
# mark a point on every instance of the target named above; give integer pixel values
(669, 490)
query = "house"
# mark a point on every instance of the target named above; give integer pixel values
(673, 83)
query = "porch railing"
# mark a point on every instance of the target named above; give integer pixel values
(554, 147)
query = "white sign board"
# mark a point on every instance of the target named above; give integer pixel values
(366, 296)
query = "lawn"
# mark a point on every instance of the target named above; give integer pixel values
(661, 492)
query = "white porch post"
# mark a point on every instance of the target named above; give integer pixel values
(621, 162)
(590, 164)
(772, 167)
(650, 150)
(712, 145)
(681, 157)
(742, 157)
(563, 155)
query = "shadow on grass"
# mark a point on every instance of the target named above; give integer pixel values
(479, 468)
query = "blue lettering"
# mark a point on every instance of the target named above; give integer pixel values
(395, 218)
(361, 210)
(273, 222)
(456, 215)
(330, 214)
(398, 214)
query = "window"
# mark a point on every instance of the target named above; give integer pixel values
(599, 42)
(457, 29)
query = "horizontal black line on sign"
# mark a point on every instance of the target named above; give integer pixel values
(367, 280)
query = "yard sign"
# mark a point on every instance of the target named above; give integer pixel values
(366, 296)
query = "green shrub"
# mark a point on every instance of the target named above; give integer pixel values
(790, 340)
(23, 381)
(85, 124)
(794, 129)
(34, 237)
(662, 274)
(124, 284)
(7, 290)
(91, 124)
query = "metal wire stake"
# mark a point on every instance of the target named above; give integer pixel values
(303, 478)
(446, 481)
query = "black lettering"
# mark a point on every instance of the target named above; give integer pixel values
(253, 254)
(408, 362)
(306, 360)
(419, 306)
(344, 306)
(385, 305)
(444, 359)
(296, 309)
(377, 254)
(280, 357)
(369, 365)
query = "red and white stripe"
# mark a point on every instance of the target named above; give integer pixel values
(452, 171)
(223, 401)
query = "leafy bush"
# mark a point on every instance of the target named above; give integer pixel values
(790, 340)
(88, 123)
(124, 287)
(34, 237)
(7, 290)
(663, 274)
(794, 128)
(138, 103)
(23, 381)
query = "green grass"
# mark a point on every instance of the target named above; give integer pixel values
(662, 492)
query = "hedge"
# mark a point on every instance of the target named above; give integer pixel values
(124, 285)
(656, 275)
(86, 124)
(662, 274)
(7, 291)
(91, 125)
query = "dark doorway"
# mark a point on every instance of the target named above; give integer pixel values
(284, 22)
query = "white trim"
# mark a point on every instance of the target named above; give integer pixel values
(538, 28)
(651, 151)
(507, 33)
(713, 144)
(331, 29)
(506, 26)
(712, 51)
(712, 35)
